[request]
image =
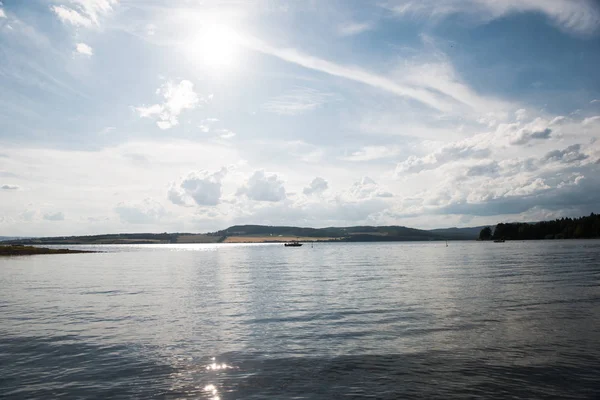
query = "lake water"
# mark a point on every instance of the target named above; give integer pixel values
(381, 321)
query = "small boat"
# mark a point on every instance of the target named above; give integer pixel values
(293, 244)
(499, 241)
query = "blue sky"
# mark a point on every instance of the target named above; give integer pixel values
(127, 115)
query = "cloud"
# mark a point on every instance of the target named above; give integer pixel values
(84, 49)
(524, 136)
(595, 101)
(354, 28)
(484, 169)
(370, 153)
(317, 186)
(85, 13)
(578, 17)
(263, 187)
(569, 155)
(70, 16)
(591, 120)
(58, 216)
(206, 124)
(202, 188)
(465, 149)
(521, 114)
(226, 134)
(433, 84)
(352, 73)
(364, 189)
(10, 187)
(2, 13)
(298, 101)
(146, 212)
(177, 98)
(574, 192)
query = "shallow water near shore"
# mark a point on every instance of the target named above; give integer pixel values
(339, 320)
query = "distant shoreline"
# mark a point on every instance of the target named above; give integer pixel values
(17, 250)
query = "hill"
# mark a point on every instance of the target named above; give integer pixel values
(264, 233)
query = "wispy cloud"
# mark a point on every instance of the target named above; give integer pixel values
(298, 101)
(434, 84)
(579, 17)
(352, 73)
(354, 28)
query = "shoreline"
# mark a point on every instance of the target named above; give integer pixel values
(20, 250)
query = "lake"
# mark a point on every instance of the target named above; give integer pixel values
(361, 320)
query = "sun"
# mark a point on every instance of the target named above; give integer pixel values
(215, 46)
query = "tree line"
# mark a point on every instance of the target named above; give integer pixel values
(563, 228)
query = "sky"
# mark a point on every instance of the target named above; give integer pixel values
(191, 116)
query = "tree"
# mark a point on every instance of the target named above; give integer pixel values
(486, 233)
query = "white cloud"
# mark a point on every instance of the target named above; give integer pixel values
(146, 212)
(2, 13)
(202, 188)
(472, 148)
(57, 216)
(365, 188)
(177, 98)
(523, 136)
(84, 49)
(521, 114)
(595, 101)
(298, 101)
(84, 13)
(579, 17)
(263, 187)
(591, 120)
(68, 15)
(317, 186)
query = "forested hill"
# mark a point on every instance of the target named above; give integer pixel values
(564, 228)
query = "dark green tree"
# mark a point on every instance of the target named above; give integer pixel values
(486, 233)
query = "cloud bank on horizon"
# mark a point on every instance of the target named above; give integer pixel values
(124, 115)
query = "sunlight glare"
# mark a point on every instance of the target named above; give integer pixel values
(216, 46)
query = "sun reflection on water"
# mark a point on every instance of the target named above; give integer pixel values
(212, 390)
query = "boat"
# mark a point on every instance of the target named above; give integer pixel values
(293, 244)
(499, 241)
